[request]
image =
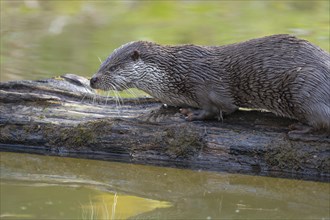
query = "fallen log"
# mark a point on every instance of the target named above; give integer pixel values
(64, 116)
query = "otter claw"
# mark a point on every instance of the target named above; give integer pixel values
(185, 111)
(190, 116)
(299, 128)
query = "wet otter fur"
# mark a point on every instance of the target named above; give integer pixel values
(280, 73)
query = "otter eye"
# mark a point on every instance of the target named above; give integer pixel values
(113, 68)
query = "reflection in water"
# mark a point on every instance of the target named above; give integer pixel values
(40, 187)
(114, 206)
(39, 200)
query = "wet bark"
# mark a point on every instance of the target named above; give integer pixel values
(64, 116)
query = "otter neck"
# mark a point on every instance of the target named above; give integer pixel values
(162, 83)
(150, 79)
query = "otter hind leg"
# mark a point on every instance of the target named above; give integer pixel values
(315, 120)
(317, 115)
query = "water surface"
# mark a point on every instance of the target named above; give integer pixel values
(45, 187)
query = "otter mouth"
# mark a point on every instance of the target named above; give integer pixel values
(96, 83)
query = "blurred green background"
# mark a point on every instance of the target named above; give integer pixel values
(42, 38)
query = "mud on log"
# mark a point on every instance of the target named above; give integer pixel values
(64, 116)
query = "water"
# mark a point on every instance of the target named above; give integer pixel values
(44, 187)
(41, 39)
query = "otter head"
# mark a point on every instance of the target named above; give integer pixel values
(121, 70)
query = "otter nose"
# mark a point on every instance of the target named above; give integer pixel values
(93, 81)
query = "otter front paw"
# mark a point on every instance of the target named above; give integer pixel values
(188, 113)
(197, 114)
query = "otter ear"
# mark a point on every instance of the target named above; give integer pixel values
(135, 55)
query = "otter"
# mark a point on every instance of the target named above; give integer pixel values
(280, 73)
